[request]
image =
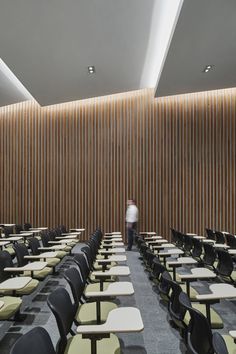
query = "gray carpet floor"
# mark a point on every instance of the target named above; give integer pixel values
(158, 336)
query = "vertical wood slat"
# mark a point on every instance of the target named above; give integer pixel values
(77, 163)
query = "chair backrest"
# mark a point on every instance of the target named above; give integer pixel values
(157, 269)
(174, 238)
(8, 230)
(210, 234)
(199, 331)
(5, 261)
(219, 344)
(21, 251)
(72, 275)
(19, 228)
(175, 308)
(149, 257)
(62, 229)
(45, 238)
(231, 240)
(37, 341)
(64, 311)
(164, 286)
(225, 264)
(88, 255)
(197, 248)
(188, 243)
(219, 237)
(34, 245)
(27, 226)
(209, 254)
(81, 262)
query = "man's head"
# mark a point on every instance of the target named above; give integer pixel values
(131, 202)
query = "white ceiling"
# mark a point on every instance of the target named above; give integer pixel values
(205, 34)
(48, 44)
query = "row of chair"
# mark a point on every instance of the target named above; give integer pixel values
(90, 317)
(189, 318)
(13, 287)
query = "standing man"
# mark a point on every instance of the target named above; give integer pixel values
(131, 219)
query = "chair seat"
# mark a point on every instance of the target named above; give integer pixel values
(216, 321)
(53, 262)
(86, 313)
(39, 274)
(10, 307)
(10, 250)
(105, 346)
(28, 289)
(231, 346)
(193, 292)
(61, 254)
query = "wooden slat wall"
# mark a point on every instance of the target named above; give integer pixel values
(77, 163)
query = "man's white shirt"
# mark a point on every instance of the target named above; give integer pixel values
(131, 214)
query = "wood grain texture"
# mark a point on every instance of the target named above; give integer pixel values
(77, 163)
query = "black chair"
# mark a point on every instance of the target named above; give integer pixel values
(219, 237)
(86, 312)
(209, 256)
(27, 226)
(231, 240)
(199, 334)
(157, 270)
(225, 266)
(6, 261)
(188, 244)
(22, 251)
(64, 311)
(199, 337)
(19, 228)
(197, 250)
(37, 341)
(210, 234)
(164, 286)
(219, 344)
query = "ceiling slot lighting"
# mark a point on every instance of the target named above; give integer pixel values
(207, 68)
(91, 69)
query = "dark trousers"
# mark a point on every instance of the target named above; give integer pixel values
(131, 233)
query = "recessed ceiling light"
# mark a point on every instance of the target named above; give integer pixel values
(91, 69)
(208, 68)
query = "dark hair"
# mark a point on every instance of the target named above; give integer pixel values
(134, 201)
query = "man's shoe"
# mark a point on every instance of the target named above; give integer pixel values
(128, 249)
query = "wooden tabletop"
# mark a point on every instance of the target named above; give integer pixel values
(117, 270)
(11, 239)
(218, 291)
(56, 247)
(220, 245)
(4, 243)
(23, 234)
(8, 225)
(232, 334)
(114, 258)
(34, 266)
(123, 319)
(199, 273)
(77, 230)
(113, 244)
(114, 289)
(113, 239)
(164, 245)
(112, 251)
(71, 234)
(159, 242)
(182, 260)
(42, 255)
(39, 228)
(15, 283)
(74, 237)
(199, 237)
(153, 238)
(174, 251)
